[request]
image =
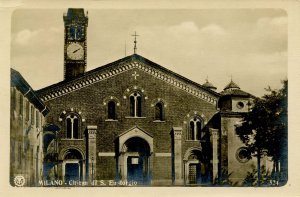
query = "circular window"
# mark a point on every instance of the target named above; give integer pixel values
(243, 155)
(240, 105)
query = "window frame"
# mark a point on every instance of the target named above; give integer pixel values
(112, 116)
(161, 112)
(72, 120)
(195, 131)
(135, 109)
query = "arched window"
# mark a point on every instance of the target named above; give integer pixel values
(111, 110)
(159, 111)
(194, 129)
(135, 105)
(72, 127)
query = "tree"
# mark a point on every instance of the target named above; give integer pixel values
(264, 129)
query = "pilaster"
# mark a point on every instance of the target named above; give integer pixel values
(177, 155)
(91, 149)
(214, 138)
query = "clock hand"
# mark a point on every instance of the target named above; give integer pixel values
(76, 50)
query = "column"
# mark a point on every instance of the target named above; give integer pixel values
(177, 156)
(214, 137)
(92, 157)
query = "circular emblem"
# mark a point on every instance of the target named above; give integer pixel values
(243, 154)
(19, 181)
(240, 105)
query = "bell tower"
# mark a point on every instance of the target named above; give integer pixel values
(75, 23)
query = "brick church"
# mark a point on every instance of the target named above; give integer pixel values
(134, 120)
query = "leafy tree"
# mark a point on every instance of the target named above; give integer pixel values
(264, 128)
(252, 179)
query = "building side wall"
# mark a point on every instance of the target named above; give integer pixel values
(26, 151)
(237, 170)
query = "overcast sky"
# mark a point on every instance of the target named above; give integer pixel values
(248, 44)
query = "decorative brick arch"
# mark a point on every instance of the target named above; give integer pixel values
(71, 110)
(190, 151)
(133, 89)
(64, 151)
(111, 98)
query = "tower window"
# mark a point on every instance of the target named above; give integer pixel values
(194, 129)
(135, 105)
(159, 111)
(111, 109)
(72, 127)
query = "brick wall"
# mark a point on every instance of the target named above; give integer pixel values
(90, 101)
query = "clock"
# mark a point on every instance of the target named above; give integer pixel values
(75, 51)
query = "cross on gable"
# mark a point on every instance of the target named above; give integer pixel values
(135, 75)
(135, 42)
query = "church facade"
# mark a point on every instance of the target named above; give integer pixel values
(134, 120)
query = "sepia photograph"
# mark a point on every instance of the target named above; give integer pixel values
(149, 97)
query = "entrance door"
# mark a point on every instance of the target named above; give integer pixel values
(72, 172)
(194, 173)
(135, 169)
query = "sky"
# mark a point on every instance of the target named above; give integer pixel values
(247, 45)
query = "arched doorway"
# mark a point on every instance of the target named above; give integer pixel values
(73, 166)
(196, 168)
(136, 161)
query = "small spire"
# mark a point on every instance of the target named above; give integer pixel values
(231, 85)
(209, 85)
(135, 42)
(125, 49)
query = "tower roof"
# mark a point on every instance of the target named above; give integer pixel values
(231, 85)
(76, 15)
(232, 89)
(209, 85)
(79, 12)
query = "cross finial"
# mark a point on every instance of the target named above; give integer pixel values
(135, 42)
(207, 78)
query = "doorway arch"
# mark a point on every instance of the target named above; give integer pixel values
(195, 167)
(135, 161)
(73, 167)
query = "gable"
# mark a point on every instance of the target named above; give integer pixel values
(124, 65)
(135, 132)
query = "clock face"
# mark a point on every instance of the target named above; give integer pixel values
(75, 51)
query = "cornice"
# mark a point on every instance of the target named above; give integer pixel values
(100, 75)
